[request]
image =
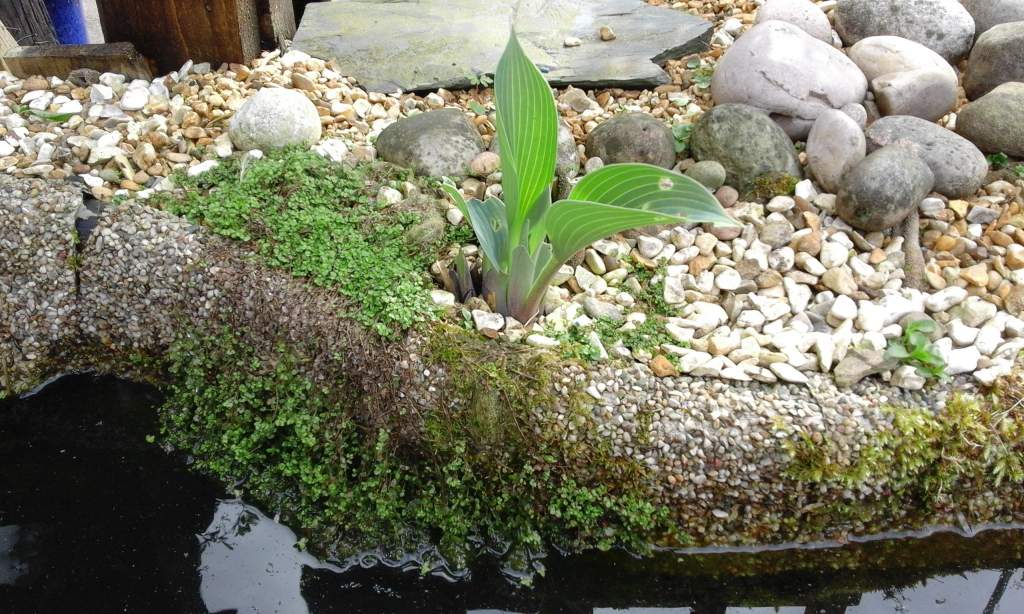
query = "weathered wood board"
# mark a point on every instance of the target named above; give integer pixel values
(59, 60)
(27, 21)
(7, 43)
(417, 45)
(169, 32)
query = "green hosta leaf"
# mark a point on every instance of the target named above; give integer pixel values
(527, 133)
(456, 196)
(654, 189)
(535, 225)
(575, 224)
(521, 274)
(491, 228)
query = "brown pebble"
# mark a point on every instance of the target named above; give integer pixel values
(662, 367)
(727, 196)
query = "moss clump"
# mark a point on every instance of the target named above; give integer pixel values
(770, 185)
(486, 470)
(924, 464)
(647, 337)
(652, 294)
(319, 220)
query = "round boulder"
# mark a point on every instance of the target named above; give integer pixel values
(997, 58)
(926, 93)
(778, 67)
(884, 188)
(746, 142)
(435, 143)
(275, 118)
(944, 26)
(803, 14)
(958, 166)
(882, 55)
(990, 13)
(995, 122)
(835, 146)
(633, 137)
(907, 78)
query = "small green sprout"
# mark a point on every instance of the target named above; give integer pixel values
(997, 160)
(915, 348)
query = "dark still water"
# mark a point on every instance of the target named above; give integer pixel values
(93, 520)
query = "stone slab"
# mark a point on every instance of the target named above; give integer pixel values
(417, 45)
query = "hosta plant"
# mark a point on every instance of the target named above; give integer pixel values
(525, 238)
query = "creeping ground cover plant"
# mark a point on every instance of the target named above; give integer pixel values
(525, 238)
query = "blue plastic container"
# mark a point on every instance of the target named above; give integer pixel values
(68, 21)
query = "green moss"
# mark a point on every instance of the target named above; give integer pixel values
(923, 464)
(769, 185)
(646, 337)
(319, 220)
(486, 470)
(652, 298)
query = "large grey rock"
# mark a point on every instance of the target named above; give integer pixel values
(995, 122)
(907, 78)
(436, 143)
(878, 56)
(633, 137)
(943, 26)
(881, 55)
(780, 68)
(803, 14)
(989, 13)
(427, 44)
(958, 165)
(926, 93)
(275, 118)
(997, 58)
(884, 188)
(835, 146)
(746, 142)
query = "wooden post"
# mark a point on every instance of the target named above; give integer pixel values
(277, 21)
(27, 21)
(169, 32)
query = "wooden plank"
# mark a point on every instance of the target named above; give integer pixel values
(170, 32)
(277, 22)
(7, 43)
(59, 60)
(27, 21)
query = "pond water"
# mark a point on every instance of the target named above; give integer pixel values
(94, 519)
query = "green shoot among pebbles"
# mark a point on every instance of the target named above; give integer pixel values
(915, 348)
(527, 237)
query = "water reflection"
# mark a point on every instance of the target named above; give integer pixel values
(248, 563)
(93, 519)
